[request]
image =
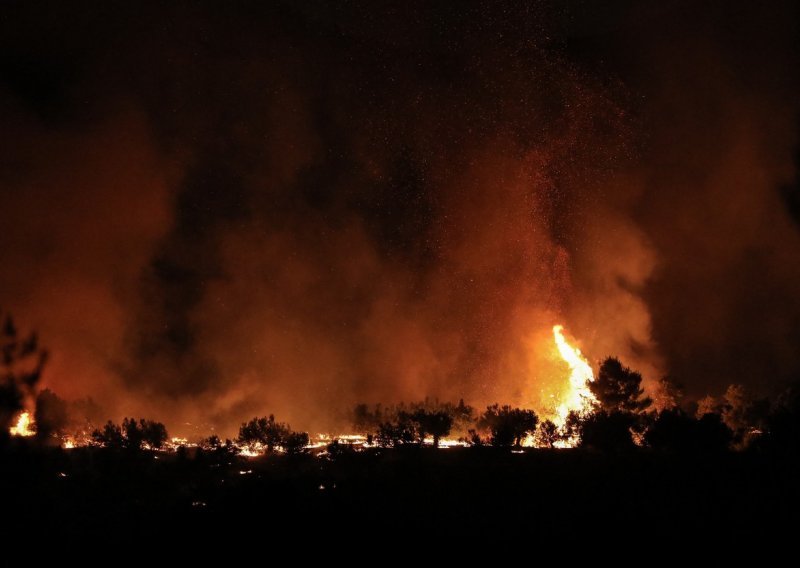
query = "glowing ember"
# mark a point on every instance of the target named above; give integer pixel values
(352, 438)
(251, 452)
(446, 443)
(577, 397)
(24, 426)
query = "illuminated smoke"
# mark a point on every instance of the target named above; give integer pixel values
(300, 210)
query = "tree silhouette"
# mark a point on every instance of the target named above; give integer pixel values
(337, 450)
(507, 425)
(265, 431)
(573, 426)
(436, 423)
(547, 435)
(674, 430)
(412, 423)
(213, 442)
(110, 436)
(462, 416)
(618, 388)
(219, 451)
(610, 431)
(782, 431)
(21, 365)
(51, 416)
(713, 434)
(295, 442)
(474, 438)
(400, 431)
(154, 434)
(366, 420)
(132, 435)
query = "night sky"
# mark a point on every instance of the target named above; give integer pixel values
(211, 209)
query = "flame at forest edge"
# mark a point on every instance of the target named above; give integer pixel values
(24, 426)
(577, 397)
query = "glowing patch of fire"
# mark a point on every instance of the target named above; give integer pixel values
(24, 426)
(577, 397)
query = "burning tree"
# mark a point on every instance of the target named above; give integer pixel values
(21, 364)
(620, 404)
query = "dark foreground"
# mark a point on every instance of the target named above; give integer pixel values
(465, 495)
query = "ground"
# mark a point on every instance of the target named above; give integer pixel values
(458, 495)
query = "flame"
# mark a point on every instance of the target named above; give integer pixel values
(577, 396)
(24, 426)
(445, 443)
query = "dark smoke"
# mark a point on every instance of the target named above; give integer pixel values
(210, 212)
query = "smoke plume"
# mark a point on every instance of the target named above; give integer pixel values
(212, 213)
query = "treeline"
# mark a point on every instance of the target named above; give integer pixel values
(621, 418)
(131, 435)
(411, 423)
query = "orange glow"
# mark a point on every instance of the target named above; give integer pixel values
(24, 426)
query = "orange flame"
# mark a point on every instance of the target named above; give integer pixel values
(24, 426)
(576, 396)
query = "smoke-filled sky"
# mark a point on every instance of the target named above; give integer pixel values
(216, 210)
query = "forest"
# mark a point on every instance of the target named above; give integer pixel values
(430, 468)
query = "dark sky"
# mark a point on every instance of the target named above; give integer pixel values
(216, 209)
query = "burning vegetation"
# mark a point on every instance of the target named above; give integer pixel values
(443, 266)
(445, 466)
(608, 411)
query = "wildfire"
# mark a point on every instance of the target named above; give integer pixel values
(577, 397)
(446, 443)
(574, 396)
(24, 426)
